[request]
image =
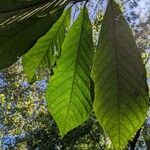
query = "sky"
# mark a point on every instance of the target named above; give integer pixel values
(142, 9)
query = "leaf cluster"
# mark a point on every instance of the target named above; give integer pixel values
(109, 79)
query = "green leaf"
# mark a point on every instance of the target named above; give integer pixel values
(68, 93)
(11, 5)
(47, 48)
(19, 38)
(121, 97)
(13, 11)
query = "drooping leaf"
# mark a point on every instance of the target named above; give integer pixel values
(47, 48)
(19, 38)
(121, 97)
(68, 92)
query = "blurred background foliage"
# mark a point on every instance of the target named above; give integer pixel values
(25, 123)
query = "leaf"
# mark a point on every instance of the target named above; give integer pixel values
(19, 38)
(11, 5)
(47, 48)
(68, 93)
(121, 97)
(13, 11)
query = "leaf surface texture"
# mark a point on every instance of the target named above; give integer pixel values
(47, 48)
(13, 11)
(121, 99)
(68, 92)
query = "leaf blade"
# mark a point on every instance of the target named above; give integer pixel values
(69, 90)
(26, 32)
(14, 11)
(120, 80)
(43, 53)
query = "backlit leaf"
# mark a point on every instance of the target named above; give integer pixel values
(68, 92)
(121, 99)
(47, 48)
